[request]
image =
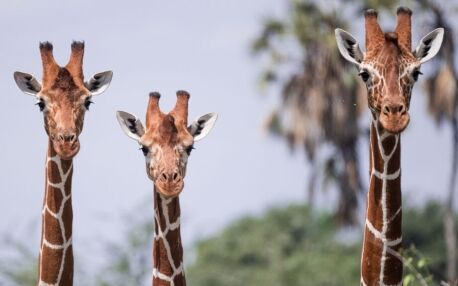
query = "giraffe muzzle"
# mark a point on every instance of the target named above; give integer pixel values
(170, 191)
(169, 184)
(394, 117)
(66, 145)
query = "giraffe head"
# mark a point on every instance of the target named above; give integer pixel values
(389, 67)
(167, 140)
(63, 96)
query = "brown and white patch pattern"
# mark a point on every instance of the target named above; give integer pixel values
(168, 269)
(56, 259)
(381, 263)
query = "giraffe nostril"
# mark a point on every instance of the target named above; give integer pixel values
(386, 110)
(69, 137)
(66, 138)
(175, 176)
(394, 108)
(163, 177)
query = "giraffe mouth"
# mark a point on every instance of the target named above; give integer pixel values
(395, 123)
(67, 150)
(169, 191)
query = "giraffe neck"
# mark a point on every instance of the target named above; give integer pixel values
(56, 252)
(381, 263)
(167, 250)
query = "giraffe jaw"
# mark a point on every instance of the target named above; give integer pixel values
(66, 150)
(169, 191)
(394, 123)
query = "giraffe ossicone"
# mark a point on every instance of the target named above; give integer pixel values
(63, 97)
(166, 141)
(389, 68)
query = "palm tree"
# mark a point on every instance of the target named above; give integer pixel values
(321, 102)
(442, 91)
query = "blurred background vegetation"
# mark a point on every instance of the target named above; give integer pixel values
(320, 111)
(292, 245)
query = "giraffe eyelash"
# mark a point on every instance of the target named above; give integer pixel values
(41, 104)
(189, 149)
(364, 74)
(144, 149)
(88, 102)
(416, 74)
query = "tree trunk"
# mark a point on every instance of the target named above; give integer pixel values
(449, 220)
(312, 184)
(350, 184)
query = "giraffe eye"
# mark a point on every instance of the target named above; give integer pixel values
(41, 104)
(87, 103)
(415, 74)
(145, 150)
(364, 75)
(189, 149)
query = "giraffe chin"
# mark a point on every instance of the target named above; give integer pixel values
(67, 150)
(169, 192)
(394, 124)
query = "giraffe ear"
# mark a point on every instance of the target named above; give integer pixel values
(429, 45)
(27, 83)
(99, 82)
(200, 127)
(131, 125)
(348, 47)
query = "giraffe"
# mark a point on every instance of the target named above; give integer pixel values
(389, 69)
(63, 97)
(166, 144)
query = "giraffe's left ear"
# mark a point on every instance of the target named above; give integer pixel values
(200, 127)
(429, 45)
(348, 47)
(99, 82)
(27, 83)
(131, 125)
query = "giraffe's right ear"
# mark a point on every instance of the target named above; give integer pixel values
(429, 45)
(348, 47)
(131, 125)
(99, 82)
(200, 127)
(27, 83)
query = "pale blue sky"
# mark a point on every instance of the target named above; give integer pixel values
(199, 46)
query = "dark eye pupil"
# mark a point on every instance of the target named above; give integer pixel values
(364, 75)
(144, 150)
(87, 103)
(189, 149)
(41, 105)
(416, 74)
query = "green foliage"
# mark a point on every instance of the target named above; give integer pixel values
(21, 268)
(291, 246)
(129, 262)
(424, 229)
(417, 268)
(285, 246)
(294, 246)
(271, 28)
(378, 4)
